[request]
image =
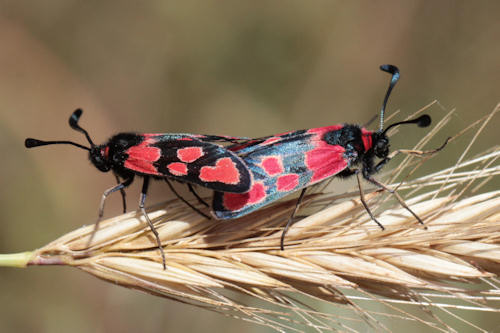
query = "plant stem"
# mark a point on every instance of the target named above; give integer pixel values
(20, 259)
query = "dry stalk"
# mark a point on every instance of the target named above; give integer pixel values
(334, 253)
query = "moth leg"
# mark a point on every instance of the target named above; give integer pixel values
(412, 152)
(363, 201)
(185, 201)
(398, 197)
(142, 199)
(122, 192)
(200, 200)
(393, 192)
(119, 187)
(289, 223)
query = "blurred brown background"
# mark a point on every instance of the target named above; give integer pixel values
(219, 67)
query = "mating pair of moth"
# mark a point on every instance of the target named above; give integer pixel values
(245, 174)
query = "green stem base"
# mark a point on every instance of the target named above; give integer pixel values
(20, 259)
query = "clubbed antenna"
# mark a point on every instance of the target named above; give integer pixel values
(31, 143)
(394, 79)
(73, 122)
(422, 121)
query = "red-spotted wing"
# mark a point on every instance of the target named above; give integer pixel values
(280, 165)
(190, 158)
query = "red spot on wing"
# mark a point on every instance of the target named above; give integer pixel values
(142, 156)
(324, 160)
(287, 182)
(224, 171)
(322, 130)
(367, 139)
(272, 165)
(270, 140)
(185, 139)
(236, 201)
(189, 154)
(178, 168)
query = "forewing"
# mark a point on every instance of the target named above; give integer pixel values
(186, 158)
(281, 165)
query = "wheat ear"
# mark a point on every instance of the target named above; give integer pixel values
(334, 253)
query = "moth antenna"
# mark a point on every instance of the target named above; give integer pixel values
(73, 123)
(422, 121)
(391, 69)
(31, 143)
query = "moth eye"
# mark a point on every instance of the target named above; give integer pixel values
(381, 144)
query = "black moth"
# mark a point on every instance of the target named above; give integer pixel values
(189, 158)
